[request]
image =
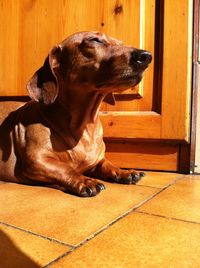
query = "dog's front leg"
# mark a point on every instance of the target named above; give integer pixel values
(105, 170)
(50, 170)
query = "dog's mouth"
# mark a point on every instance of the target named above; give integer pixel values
(123, 80)
(129, 77)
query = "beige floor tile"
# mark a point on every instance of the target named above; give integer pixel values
(159, 179)
(181, 201)
(64, 217)
(140, 240)
(19, 249)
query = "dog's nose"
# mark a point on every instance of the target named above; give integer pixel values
(140, 57)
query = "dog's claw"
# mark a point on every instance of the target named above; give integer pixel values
(100, 187)
(89, 191)
(136, 177)
(86, 191)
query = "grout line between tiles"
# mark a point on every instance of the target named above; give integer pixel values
(166, 217)
(179, 177)
(112, 223)
(148, 186)
(35, 234)
(60, 257)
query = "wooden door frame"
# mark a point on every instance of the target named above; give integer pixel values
(196, 77)
(187, 154)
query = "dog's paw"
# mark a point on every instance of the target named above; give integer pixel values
(128, 176)
(88, 187)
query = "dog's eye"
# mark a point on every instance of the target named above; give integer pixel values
(94, 39)
(97, 40)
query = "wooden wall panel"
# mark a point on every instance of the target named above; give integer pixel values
(143, 125)
(140, 155)
(31, 27)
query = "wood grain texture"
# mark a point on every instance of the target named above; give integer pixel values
(144, 125)
(9, 47)
(30, 28)
(177, 70)
(135, 25)
(140, 155)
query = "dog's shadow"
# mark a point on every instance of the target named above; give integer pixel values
(5, 133)
(12, 256)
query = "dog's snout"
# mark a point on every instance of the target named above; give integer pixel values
(141, 57)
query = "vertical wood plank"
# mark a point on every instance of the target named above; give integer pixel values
(177, 69)
(30, 28)
(9, 46)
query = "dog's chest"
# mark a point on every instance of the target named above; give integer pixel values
(89, 150)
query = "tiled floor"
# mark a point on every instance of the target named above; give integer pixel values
(153, 224)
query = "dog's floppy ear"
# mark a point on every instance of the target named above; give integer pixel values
(43, 86)
(110, 99)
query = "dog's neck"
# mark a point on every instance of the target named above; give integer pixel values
(85, 110)
(80, 110)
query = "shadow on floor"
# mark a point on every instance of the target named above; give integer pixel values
(11, 256)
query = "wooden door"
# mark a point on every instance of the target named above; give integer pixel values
(158, 110)
(149, 123)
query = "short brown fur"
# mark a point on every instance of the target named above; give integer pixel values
(57, 138)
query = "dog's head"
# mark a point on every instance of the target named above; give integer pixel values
(90, 61)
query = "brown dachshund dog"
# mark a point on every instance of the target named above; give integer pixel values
(57, 137)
